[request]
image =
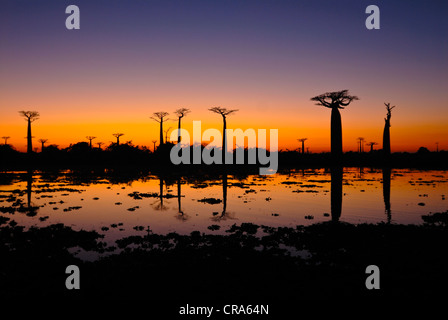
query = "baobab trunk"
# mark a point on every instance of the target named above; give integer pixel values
(29, 139)
(161, 132)
(386, 138)
(178, 131)
(336, 134)
(224, 140)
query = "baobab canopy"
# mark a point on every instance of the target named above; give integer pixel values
(336, 99)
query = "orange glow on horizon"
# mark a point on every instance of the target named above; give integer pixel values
(142, 130)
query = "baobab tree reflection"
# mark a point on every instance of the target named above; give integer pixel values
(180, 213)
(158, 205)
(386, 192)
(224, 214)
(336, 193)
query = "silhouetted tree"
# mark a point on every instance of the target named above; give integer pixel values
(52, 149)
(386, 132)
(6, 139)
(303, 144)
(224, 113)
(160, 117)
(423, 150)
(43, 141)
(361, 144)
(99, 144)
(80, 148)
(118, 135)
(371, 144)
(90, 138)
(154, 144)
(166, 134)
(335, 101)
(182, 112)
(30, 116)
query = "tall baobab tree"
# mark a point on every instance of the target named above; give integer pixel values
(99, 144)
(335, 101)
(160, 117)
(182, 112)
(30, 116)
(437, 147)
(6, 139)
(43, 141)
(118, 135)
(371, 144)
(303, 144)
(154, 145)
(224, 113)
(386, 132)
(90, 138)
(361, 144)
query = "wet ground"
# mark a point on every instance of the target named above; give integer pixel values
(313, 231)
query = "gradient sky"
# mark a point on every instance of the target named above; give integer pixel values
(266, 58)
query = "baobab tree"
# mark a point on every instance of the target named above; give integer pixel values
(335, 101)
(30, 116)
(371, 144)
(90, 138)
(160, 117)
(6, 139)
(154, 145)
(386, 132)
(303, 144)
(166, 134)
(182, 112)
(43, 141)
(99, 144)
(361, 144)
(118, 135)
(224, 113)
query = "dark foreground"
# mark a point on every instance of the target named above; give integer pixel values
(250, 263)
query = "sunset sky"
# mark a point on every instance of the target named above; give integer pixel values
(266, 58)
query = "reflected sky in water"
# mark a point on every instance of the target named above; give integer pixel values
(298, 197)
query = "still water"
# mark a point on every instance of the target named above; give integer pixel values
(119, 208)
